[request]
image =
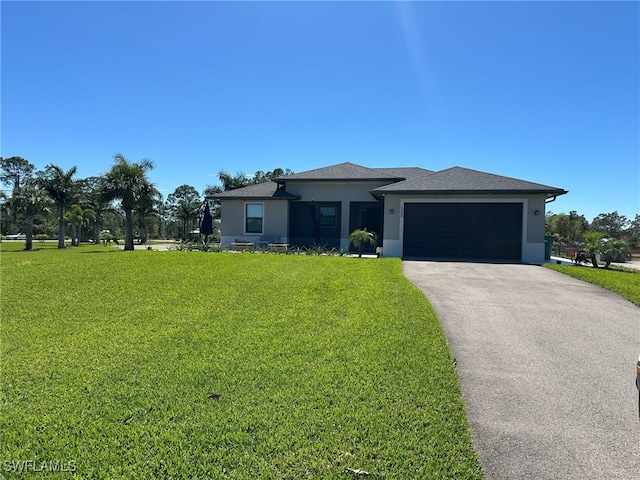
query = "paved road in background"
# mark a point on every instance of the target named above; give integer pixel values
(546, 366)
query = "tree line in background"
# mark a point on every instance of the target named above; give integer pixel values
(120, 204)
(123, 203)
(610, 237)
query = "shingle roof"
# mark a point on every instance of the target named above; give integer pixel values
(267, 190)
(342, 171)
(406, 172)
(454, 180)
(464, 180)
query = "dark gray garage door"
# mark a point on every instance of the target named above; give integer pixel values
(484, 231)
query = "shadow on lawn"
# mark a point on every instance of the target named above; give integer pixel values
(13, 249)
(101, 251)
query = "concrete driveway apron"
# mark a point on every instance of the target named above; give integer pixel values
(546, 368)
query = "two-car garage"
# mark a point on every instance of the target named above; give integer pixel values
(482, 231)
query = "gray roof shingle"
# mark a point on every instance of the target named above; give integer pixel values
(267, 190)
(464, 180)
(402, 180)
(406, 172)
(342, 171)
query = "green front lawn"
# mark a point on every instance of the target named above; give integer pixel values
(624, 283)
(322, 363)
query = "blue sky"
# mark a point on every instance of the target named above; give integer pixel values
(543, 91)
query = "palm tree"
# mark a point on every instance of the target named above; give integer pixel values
(92, 187)
(150, 199)
(76, 217)
(127, 181)
(186, 213)
(230, 182)
(88, 216)
(29, 201)
(61, 188)
(360, 238)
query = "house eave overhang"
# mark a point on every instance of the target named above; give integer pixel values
(257, 197)
(346, 179)
(549, 193)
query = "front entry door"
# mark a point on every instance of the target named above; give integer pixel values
(366, 215)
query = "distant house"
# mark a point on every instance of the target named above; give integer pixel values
(455, 213)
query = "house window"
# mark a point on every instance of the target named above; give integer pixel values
(327, 216)
(253, 217)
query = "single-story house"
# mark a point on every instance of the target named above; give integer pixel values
(457, 213)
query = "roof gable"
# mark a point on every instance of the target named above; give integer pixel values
(465, 180)
(341, 171)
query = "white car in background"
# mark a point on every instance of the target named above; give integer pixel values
(17, 236)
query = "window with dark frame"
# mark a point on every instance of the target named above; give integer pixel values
(327, 216)
(253, 217)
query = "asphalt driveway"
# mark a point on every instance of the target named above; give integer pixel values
(546, 367)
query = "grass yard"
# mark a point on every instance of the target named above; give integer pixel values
(323, 364)
(625, 283)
